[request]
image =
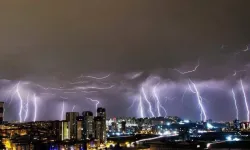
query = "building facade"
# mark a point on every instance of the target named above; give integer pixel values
(72, 124)
(88, 121)
(101, 113)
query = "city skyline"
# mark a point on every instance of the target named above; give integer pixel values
(171, 58)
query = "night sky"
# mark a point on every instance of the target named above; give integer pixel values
(63, 54)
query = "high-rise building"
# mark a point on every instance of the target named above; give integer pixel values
(88, 124)
(65, 130)
(72, 124)
(101, 113)
(99, 130)
(56, 129)
(80, 128)
(1, 112)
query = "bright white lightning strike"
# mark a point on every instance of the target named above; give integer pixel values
(132, 104)
(21, 102)
(141, 107)
(80, 82)
(87, 92)
(97, 102)
(62, 114)
(97, 78)
(157, 101)
(149, 104)
(164, 110)
(235, 103)
(35, 107)
(11, 94)
(182, 98)
(73, 108)
(97, 88)
(27, 108)
(245, 99)
(190, 71)
(199, 99)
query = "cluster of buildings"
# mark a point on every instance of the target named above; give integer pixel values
(77, 131)
(87, 131)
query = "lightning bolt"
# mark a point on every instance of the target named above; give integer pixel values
(69, 92)
(245, 99)
(157, 101)
(62, 110)
(136, 75)
(141, 107)
(97, 88)
(190, 71)
(235, 103)
(11, 94)
(199, 99)
(73, 108)
(80, 82)
(245, 49)
(21, 102)
(87, 92)
(27, 108)
(132, 104)
(235, 72)
(149, 104)
(182, 98)
(35, 107)
(93, 77)
(165, 111)
(97, 102)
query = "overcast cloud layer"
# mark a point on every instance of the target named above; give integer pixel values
(51, 43)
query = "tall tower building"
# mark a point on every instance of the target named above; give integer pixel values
(101, 112)
(72, 124)
(88, 121)
(100, 125)
(98, 129)
(80, 128)
(1, 112)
